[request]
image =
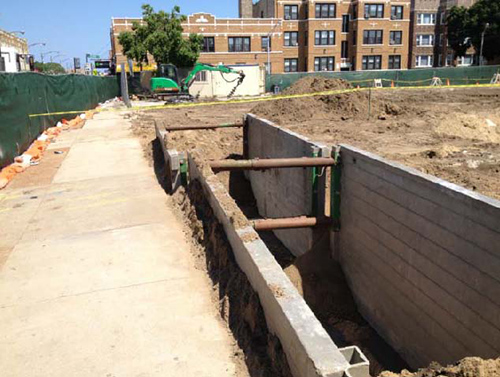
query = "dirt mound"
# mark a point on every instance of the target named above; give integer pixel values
(468, 367)
(338, 106)
(313, 84)
(473, 127)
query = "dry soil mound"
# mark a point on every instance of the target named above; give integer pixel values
(468, 367)
(313, 84)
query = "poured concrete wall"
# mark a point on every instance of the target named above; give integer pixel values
(422, 257)
(284, 192)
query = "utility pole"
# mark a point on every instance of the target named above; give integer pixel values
(482, 42)
(269, 47)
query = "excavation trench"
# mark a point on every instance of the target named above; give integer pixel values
(320, 281)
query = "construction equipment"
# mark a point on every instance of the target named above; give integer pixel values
(167, 86)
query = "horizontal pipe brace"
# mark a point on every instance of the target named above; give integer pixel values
(271, 163)
(202, 127)
(290, 223)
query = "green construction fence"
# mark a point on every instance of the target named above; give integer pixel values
(22, 94)
(400, 78)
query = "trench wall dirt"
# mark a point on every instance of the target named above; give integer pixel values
(285, 192)
(422, 257)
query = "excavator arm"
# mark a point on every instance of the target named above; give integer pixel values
(188, 81)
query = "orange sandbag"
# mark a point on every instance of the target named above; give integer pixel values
(8, 172)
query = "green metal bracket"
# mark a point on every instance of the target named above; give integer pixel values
(184, 171)
(315, 186)
(335, 191)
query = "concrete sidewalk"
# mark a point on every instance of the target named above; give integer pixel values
(96, 277)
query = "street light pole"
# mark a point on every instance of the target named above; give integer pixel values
(482, 42)
(269, 47)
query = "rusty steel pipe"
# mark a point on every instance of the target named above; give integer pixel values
(271, 163)
(202, 127)
(290, 223)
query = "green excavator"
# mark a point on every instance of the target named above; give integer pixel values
(167, 86)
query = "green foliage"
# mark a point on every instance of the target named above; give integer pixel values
(133, 44)
(481, 13)
(469, 24)
(50, 68)
(160, 34)
(458, 31)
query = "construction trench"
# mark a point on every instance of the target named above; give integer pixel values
(331, 261)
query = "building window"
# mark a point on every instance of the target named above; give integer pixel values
(396, 37)
(442, 20)
(425, 40)
(355, 11)
(324, 64)
(291, 12)
(372, 62)
(264, 41)
(345, 23)
(324, 38)
(425, 61)
(239, 44)
(396, 12)
(426, 19)
(291, 38)
(374, 10)
(291, 65)
(344, 49)
(208, 44)
(466, 60)
(394, 61)
(201, 76)
(325, 10)
(449, 60)
(373, 37)
(354, 37)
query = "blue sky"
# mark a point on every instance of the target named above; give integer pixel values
(79, 27)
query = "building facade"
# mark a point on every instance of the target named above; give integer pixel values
(14, 56)
(322, 35)
(429, 45)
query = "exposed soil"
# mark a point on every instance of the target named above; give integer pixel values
(468, 367)
(453, 134)
(238, 303)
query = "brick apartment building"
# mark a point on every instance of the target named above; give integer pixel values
(429, 43)
(321, 35)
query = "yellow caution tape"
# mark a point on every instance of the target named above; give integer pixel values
(272, 98)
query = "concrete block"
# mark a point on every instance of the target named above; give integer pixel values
(421, 256)
(284, 192)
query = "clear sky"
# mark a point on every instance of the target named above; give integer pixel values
(79, 27)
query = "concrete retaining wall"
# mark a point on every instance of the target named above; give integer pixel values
(284, 192)
(309, 349)
(422, 257)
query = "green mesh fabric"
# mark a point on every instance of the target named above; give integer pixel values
(22, 94)
(401, 78)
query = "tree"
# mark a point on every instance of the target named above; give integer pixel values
(481, 13)
(466, 26)
(50, 68)
(458, 30)
(133, 44)
(160, 34)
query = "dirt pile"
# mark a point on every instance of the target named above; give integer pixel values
(343, 106)
(313, 84)
(468, 367)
